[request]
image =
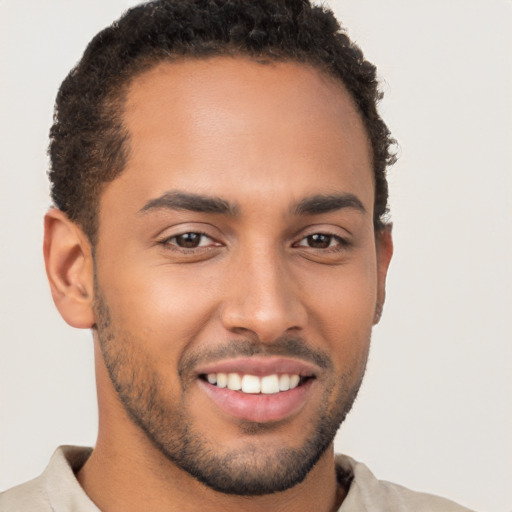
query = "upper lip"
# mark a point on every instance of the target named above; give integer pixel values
(260, 366)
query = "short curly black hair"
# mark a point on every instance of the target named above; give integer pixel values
(89, 145)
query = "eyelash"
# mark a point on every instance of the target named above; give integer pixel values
(341, 243)
(167, 242)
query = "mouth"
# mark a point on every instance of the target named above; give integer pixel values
(254, 384)
(257, 389)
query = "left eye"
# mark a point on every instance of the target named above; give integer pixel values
(189, 240)
(320, 241)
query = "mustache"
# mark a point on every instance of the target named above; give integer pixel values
(294, 347)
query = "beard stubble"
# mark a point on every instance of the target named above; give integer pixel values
(253, 470)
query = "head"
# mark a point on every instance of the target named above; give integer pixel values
(89, 143)
(219, 173)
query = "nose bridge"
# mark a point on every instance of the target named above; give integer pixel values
(262, 297)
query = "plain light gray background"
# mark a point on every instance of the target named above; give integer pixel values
(434, 412)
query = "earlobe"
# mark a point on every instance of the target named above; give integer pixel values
(69, 267)
(384, 248)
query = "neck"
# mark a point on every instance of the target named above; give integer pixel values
(117, 481)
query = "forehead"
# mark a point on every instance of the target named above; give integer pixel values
(233, 126)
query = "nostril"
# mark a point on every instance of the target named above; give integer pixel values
(266, 310)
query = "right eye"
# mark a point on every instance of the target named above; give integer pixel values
(190, 240)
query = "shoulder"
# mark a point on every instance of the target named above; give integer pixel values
(28, 496)
(367, 493)
(55, 489)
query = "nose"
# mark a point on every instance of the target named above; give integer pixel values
(262, 298)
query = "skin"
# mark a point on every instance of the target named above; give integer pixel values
(263, 137)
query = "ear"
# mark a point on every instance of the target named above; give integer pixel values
(384, 248)
(69, 267)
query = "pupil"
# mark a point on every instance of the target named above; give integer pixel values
(188, 240)
(319, 241)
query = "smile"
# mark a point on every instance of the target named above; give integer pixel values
(253, 384)
(259, 389)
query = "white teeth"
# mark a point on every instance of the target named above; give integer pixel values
(284, 382)
(294, 381)
(268, 385)
(251, 384)
(222, 380)
(234, 382)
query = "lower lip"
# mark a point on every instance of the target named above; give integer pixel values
(259, 408)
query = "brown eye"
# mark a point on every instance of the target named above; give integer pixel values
(190, 240)
(322, 241)
(319, 241)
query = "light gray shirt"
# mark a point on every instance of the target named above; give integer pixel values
(58, 490)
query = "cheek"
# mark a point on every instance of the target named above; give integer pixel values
(341, 306)
(166, 305)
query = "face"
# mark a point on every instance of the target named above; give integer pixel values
(237, 269)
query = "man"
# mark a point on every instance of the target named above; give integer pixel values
(218, 174)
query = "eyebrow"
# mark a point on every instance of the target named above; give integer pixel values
(313, 205)
(192, 202)
(318, 204)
